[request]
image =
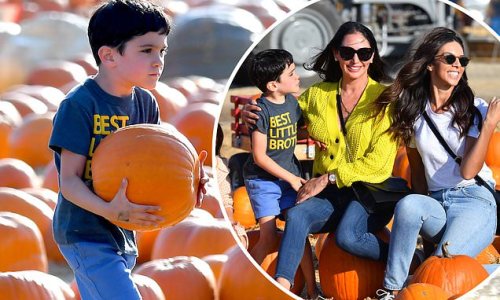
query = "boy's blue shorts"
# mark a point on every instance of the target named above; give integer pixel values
(268, 197)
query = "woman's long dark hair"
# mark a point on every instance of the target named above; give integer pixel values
(409, 93)
(329, 70)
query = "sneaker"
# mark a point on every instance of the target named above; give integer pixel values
(385, 295)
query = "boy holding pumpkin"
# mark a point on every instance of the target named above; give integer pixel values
(128, 40)
(272, 172)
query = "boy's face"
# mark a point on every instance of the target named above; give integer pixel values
(289, 81)
(141, 63)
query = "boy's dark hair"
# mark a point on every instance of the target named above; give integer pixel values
(118, 21)
(267, 66)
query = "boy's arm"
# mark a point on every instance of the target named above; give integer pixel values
(119, 209)
(259, 147)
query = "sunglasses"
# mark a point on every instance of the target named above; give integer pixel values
(347, 53)
(450, 59)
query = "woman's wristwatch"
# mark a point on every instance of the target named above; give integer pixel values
(331, 178)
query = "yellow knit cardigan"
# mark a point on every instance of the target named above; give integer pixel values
(371, 148)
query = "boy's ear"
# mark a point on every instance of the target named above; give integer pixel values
(271, 86)
(106, 55)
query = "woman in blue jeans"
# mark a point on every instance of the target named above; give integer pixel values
(450, 205)
(352, 71)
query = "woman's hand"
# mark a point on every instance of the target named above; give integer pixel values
(320, 145)
(247, 115)
(312, 187)
(493, 115)
(203, 179)
(125, 211)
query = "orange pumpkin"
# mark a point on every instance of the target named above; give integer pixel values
(56, 74)
(184, 85)
(5, 130)
(29, 141)
(148, 288)
(17, 174)
(25, 104)
(164, 171)
(345, 276)
(22, 203)
(211, 201)
(243, 211)
(170, 101)
(401, 166)
(320, 241)
(194, 237)
(50, 96)
(46, 195)
(50, 178)
(418, 291)
(145, 243)
(182, 277)
(455, 274)
(493, 153)
(22, 244)
(197, 122)
(270, 261)
(215, 261)
(240, 279)
(489, 255)
(32, 284)
(496, 176)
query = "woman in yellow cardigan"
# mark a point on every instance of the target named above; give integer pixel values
(352, 69)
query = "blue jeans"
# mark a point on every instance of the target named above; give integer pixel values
(465, 217)
(317, 214)
(355, 232)
(101, 272)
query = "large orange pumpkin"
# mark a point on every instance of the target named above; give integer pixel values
(29, 285)
(22, 203)
(44, 194)
(270, 261)
(421, 291)
(496, 176)
(197, 122)
(493, 154)
(161, 166)
(25, 104)
(243, 211)
(29, 142)
(22, 244)
(182, 277)
(194, 237)
(455, 274)
(240, 279)
(345, 276)
(17, 174)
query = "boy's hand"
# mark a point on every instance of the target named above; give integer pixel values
(297, 183)
(247, 115)
(312, 187)
(203, 179)
(121, 209)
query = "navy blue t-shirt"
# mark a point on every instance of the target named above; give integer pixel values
(86, 116)
(279, 123)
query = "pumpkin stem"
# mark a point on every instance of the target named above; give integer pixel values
(446, 253)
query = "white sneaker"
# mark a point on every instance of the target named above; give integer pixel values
(384, 295)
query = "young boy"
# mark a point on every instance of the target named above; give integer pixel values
(272, 172)
(128, 40)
